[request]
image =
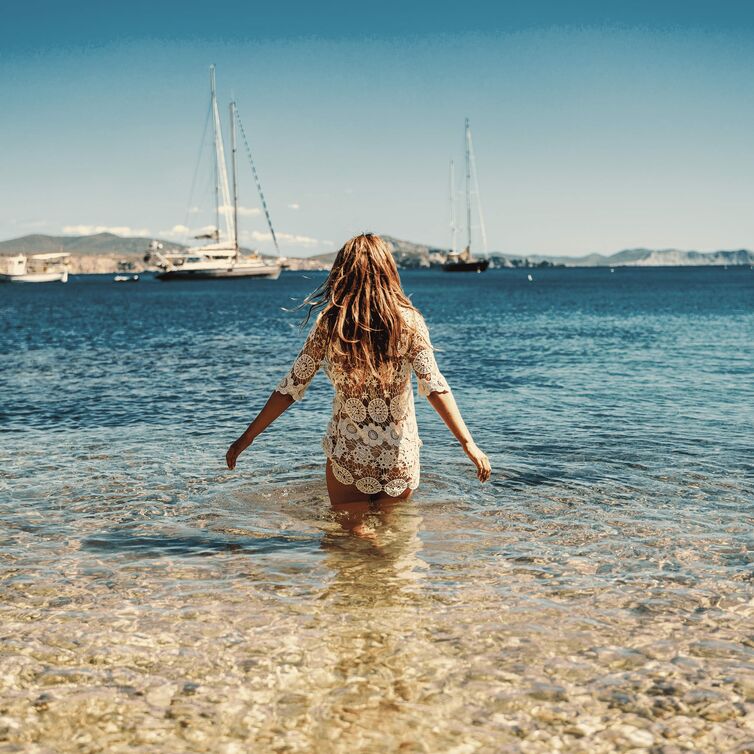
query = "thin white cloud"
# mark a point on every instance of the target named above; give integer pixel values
(181, 231)
(118, 230)
(297, 239)
(294, 205)
(203, 230)
(177, 231)
(242, 211)
(290, 239)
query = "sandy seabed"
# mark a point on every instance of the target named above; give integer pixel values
(297, 637)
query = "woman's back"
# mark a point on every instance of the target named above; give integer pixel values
(372, 440)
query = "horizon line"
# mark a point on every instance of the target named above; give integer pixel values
(403, 240)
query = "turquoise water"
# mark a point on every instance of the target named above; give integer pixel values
(595, 596)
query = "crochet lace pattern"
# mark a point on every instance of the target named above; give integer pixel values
(372, 440)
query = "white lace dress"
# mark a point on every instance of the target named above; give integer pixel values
(372, 440)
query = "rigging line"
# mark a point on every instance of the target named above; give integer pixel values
(482, 229)
(196, 167)
(256, 179)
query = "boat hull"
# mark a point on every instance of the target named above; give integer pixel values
(478, 265)
(41, 277)
(270, 272)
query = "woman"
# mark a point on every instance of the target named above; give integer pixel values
(369, 337)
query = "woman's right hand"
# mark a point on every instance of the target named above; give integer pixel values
(479, 460)
(235, 450)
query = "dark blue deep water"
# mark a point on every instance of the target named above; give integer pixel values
(614, 538)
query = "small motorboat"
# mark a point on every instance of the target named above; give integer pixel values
(126, 273)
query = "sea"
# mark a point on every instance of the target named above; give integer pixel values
(596, 595)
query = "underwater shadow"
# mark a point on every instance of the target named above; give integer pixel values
(196, 545)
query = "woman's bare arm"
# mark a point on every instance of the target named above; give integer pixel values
(276, 404)
(446, 407)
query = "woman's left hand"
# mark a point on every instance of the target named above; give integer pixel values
(479, 460)
(234, 451)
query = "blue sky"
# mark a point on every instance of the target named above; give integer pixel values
(597, 126)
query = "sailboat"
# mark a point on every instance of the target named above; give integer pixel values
(464, 261)
(221, 258)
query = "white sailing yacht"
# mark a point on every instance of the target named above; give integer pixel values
(464, 261)
(223, 258)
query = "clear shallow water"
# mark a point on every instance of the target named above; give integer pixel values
(596, 596)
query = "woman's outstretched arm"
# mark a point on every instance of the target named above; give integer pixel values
(291, 388)
(276, 404)
(435, 388)
(445, 405)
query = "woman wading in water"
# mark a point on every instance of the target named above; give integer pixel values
(368, 337)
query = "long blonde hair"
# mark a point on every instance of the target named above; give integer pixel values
(360, 304)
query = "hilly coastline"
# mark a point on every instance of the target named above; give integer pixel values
(409, 254)
(101, 252)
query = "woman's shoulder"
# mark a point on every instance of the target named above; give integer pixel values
(414, 322)
(412, 317)
(321, 322)
(414, 333)
(318, 329)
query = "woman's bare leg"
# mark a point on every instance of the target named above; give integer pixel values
(383, 498)
(351, 506)
(340, 493)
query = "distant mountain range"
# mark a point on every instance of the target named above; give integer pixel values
(100, 243)
(100, 251)
(651, 258)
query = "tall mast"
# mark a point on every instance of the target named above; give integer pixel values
(223, 192)
(235, 179)
(468, 185)
(213, 97)
(475, 191)
(452, 196)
